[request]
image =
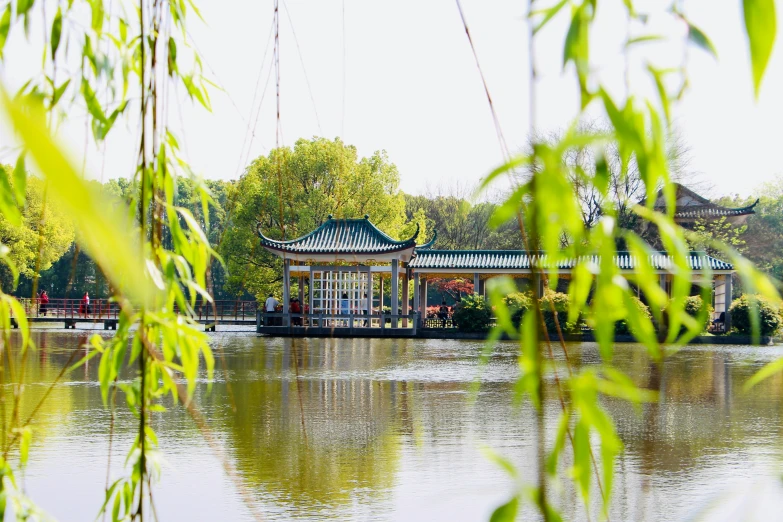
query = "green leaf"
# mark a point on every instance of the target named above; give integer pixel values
(643, 39)
(59, 91)
(172, 56)
(5, 26)
(93, 105)
(576, 45)
(97, 15)
(57, 27)
(20, 181)
(548, 15)
(8, 207)
(24, 445)
(761, 28)
(698, 37)
(507, 512)
(767, 371)
(662, 94)
(103, 224)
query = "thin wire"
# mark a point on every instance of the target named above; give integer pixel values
(217, 79)
(495, 119)
(304, 69)
(252, 130)
(342, 121)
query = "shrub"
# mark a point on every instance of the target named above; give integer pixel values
(621, 327)
(518, 303)
(695, 304)
(472, 314)
(769, 314)
(560, 302)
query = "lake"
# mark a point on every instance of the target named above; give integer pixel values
(343, 429)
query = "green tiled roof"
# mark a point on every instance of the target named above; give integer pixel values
(713, 211)
(521, 260)
(341, 236)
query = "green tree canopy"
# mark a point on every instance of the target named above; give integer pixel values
(23, 240)
(300, 188)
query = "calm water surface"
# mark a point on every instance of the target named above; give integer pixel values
(383, 430)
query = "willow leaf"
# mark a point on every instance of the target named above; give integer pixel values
(102, 222)
(761, 28)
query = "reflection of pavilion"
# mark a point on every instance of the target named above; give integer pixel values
(341, 268)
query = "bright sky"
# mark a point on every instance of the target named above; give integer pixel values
(400, 76)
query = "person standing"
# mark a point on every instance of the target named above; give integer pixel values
(84, 307)
(345, 305)
(443, 313)
(296, 308)
(270, 306)
(44, 302)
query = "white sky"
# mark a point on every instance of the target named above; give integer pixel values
(412, 88)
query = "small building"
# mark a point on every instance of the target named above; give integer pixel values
(691, 207)
(338, 267)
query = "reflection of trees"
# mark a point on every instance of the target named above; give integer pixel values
(40, 369)
(702, 410)
(350, 420)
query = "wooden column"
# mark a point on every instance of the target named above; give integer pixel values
(369, 298)
(286, 290)
(395, 290)
(664, 283)
(310, 294)
(380, 293)
(476, 284)
(424, 296)
(416, 293)
(405, 300)
(727, 304)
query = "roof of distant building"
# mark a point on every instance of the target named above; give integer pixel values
(521, 260)
(690, 206)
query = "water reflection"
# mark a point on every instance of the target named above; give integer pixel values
(383, 430)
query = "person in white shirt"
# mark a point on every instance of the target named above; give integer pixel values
(271, 305)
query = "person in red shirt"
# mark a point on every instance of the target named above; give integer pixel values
(296, 308)
(84, 306)
(44, 302)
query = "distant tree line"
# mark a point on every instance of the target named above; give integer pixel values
(304, 184)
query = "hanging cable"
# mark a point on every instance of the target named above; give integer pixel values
(304, 69)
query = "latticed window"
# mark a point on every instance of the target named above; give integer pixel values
(341, 291)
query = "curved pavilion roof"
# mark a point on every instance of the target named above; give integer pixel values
(343, 239)
(691, 206)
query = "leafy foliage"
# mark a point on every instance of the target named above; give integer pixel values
(472, 314)
(35, 243)
(290, 192)
(745, 307)
(622, 327)
(697, 308)
(518, 304)
(560, 303)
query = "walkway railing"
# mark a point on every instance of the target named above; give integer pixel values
(103, 309)
(327, 320)
(57, 308)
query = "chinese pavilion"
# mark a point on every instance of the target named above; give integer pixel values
(337, 264)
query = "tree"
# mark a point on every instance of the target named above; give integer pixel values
(625, 186)
(290, 192)
(707, 231)
(41, 238)
(455, 288)
(763, 238)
